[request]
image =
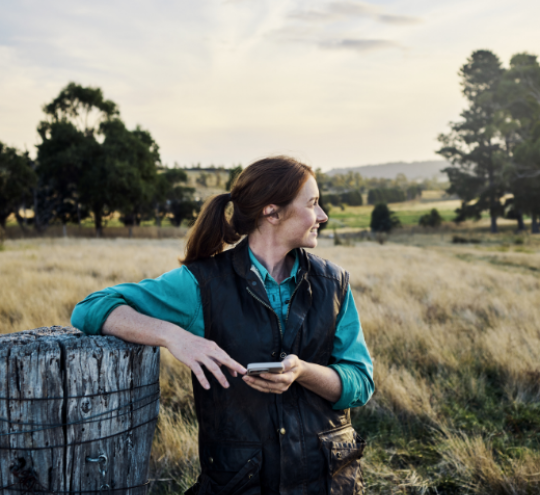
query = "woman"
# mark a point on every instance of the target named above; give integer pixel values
(266, 300)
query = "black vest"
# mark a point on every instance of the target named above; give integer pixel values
(253, 443)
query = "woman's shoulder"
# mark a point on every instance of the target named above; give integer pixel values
(324, 268)
(205, 269)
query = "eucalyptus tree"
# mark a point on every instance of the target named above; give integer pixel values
(130, 161)
(474, 145)
(177, 201)
(70, 151)
(16, 181)
(521, 126)
(91, 163)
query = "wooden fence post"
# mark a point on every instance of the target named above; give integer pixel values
(77, 413)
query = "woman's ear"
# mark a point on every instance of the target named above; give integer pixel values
(272, 213)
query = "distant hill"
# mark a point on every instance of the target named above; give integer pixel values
(412, 170)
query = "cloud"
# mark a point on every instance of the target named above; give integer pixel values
(358, 45)
(345, 9)
(398, 19)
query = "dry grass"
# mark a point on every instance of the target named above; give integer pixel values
(454, 332)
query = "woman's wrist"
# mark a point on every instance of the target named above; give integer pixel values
(302, 370)
(167, 334)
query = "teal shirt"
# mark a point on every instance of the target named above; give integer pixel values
(175, 297)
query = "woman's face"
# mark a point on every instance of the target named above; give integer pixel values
(303, 217)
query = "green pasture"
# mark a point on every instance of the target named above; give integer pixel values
(409, 213)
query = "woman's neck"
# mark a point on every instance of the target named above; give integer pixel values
(272, 255)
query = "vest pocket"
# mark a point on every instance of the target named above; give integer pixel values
(228, 470)
(342, 448)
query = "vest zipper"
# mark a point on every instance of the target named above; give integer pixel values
(270, 308)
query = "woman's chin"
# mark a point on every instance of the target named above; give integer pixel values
(311, 241)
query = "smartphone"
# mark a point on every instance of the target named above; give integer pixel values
(258, 368)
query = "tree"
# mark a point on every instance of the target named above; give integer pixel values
(176, 200)
(474, 145)
(526, 181)
(62, 156)
(90, 162)
(431, 219)
(386, 195)
(521, 91)
(71, 152)
(233, 174)
(16, 180)
(352, 198)
(383, 219)
(136, 159)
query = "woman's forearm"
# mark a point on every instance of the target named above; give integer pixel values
(322, 380)
(196, 352)
(129, 325)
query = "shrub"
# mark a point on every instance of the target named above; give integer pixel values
(431, 219)
(383, 219)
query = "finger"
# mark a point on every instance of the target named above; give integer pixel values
(223, 358)
(257, 384)
(232, 373)
(264, 385)
(216, 371)
(199, 373)
(289, 362)
(283, 378)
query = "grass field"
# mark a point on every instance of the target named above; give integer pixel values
(408, 212)
(454, 331)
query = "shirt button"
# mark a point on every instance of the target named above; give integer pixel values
(283, 355)
(210, 460)
(253, 283)
(274, 354)
(283, 431)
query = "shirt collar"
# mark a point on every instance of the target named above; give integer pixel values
(263, 272)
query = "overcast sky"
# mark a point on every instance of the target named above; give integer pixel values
(334, 83)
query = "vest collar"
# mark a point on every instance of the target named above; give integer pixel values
(242, 261)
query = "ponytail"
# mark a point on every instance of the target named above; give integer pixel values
(211, 230)
(274, 181)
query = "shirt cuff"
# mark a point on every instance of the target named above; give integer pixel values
(90, 321)
(353, 391)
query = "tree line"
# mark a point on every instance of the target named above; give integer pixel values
(348, 189)
(90, 164)
(494, 150)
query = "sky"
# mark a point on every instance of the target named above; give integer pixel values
(221, 82)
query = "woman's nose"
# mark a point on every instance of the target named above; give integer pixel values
(321, 215)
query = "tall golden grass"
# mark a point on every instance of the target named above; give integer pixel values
(454, 332)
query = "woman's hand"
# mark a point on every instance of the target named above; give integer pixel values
(196, 352)
(127, 324)
(322, 380)
(272, 383)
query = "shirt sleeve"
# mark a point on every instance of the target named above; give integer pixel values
(174, 297)
(352, 361)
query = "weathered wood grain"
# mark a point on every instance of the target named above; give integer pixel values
(98, 404)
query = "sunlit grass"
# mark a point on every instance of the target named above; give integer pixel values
(453, 330)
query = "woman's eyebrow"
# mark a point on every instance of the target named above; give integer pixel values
(313, 198)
